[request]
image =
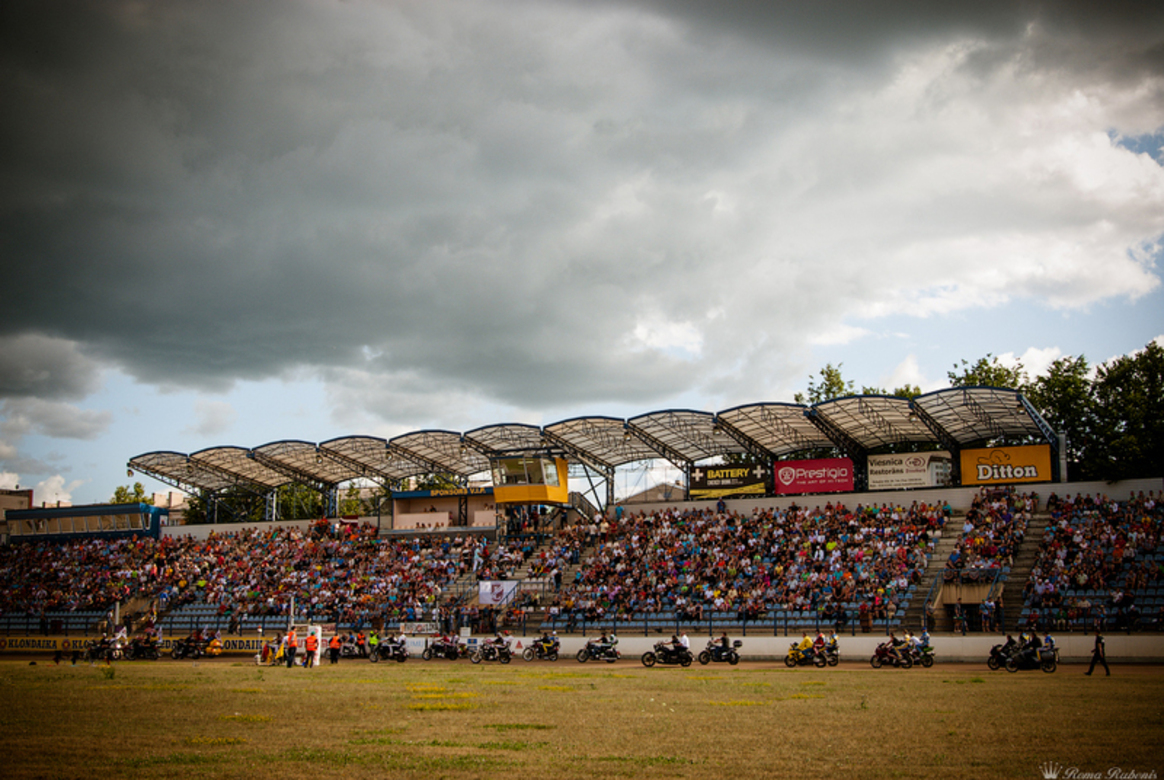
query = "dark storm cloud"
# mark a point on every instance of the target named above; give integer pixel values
(44, 367)
(526, 201)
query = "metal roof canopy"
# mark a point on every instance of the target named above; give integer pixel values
(237, 462)
(875, 420)
(507, 438)
(780, 428)
(952, 418)
(176, 469)
(605, 442)
(441, 451)
(970, 414)
(371, 457)
(304, 462)
(683, 436)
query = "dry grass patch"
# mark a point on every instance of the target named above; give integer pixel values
(166, 720)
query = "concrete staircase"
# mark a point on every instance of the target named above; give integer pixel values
(912, 619)
(1020, 571)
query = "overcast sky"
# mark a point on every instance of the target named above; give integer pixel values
(231, 223)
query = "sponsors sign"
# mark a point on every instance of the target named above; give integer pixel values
(823, 475)
(1006, 465)
(495, 591)
(909, 470)
(66, 645)
(727, 481)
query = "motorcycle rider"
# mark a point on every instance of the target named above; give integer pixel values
(800, 651)
(1030, 651)
(604, 645)
(896, 646)
(547, 641)
(373, 641)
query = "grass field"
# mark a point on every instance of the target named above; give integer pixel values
(565, 720)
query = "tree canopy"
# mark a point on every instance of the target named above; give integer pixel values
(124, 494)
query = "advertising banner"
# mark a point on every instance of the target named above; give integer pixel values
(1006, 465)
(723, 481)
(495, 591)
(823, 475)
(909, 470)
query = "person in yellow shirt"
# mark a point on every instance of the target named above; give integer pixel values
(804, 647)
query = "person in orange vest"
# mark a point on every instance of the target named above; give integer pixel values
(361, 643)
(310, 645)
(292, 647)
(333, 648)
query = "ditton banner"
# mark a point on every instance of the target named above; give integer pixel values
(909, 470)
(722, 481)
(1006, 465)
(823, 475)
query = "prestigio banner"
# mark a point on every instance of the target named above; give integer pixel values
(909, 470)
(823, 475)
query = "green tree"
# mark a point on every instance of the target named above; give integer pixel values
(127, 495)
(832, 385)
(1065, 398)
(1129, 409)
(988, 372)
(437, 481)
(351, 504)
(232, 505)
(907, 391)
(298, 502)
(377, 502)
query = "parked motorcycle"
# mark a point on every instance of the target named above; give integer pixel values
(884, 655)
(599, 651)
(1045, 659)
(922, 655)
(542, 650)
(99, 650)
(492, 651)
(141, 649)
(186, 648)
(717, 652)
(810, 657)
(998, 657)
(442, 648)
(389, 651)
(667, 654)
(832, 654)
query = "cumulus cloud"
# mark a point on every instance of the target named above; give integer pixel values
(455, 205)
(56, 489)
(25, 416)
(212, 418)
(908, 372)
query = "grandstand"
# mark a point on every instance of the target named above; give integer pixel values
(658, 571)
(770, 556)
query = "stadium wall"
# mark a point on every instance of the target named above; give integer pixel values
(204, 531)
(974, 648)
(959, 498)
